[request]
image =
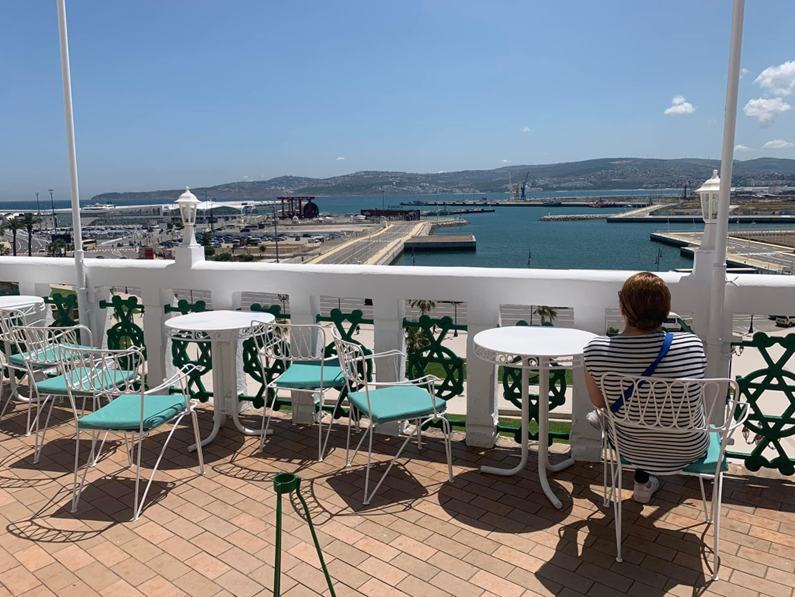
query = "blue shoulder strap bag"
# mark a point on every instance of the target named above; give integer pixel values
(666, 345)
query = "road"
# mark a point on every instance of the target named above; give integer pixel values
(365, 248)
(39, 244)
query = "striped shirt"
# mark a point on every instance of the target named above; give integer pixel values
(656, 451)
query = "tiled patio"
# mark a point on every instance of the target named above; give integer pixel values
(480, 537)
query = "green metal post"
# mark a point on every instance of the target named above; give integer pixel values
(288, 483)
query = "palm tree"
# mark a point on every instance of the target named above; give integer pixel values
(57, 248)
(283, 298)
(424, 306)
(545, 313)
(15, 225)
(29, 221)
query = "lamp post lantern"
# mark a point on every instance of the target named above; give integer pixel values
(188, 207)
(709, 193)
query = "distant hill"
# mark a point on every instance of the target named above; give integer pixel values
(600, 174)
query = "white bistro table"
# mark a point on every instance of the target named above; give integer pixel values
(33, 311)
(223, 330)
(533, 349)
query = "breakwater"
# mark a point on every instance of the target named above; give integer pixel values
(572, 217)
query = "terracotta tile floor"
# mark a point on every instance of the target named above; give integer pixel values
(481, 536)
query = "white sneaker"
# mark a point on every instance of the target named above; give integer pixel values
(596, 419)
(643, 493)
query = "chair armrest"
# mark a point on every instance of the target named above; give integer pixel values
(180, 375)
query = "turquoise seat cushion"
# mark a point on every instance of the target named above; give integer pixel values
(45, 357)
(124, 413)
(57, 385)
(397, 403)
(705, 465)
(305, 375)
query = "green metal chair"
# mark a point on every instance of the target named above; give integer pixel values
(300, 349)
(411, 400)
(131, 410)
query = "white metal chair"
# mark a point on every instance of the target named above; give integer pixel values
(664, 409)
(134, 412)
(38, 352)
(300, 349)
(398, 401)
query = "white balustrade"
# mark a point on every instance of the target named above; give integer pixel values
(589, 292)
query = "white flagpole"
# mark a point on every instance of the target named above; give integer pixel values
(82, 294)
(715, 332)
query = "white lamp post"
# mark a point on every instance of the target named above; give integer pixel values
(188, 207)
(189, 252)
(709, 193)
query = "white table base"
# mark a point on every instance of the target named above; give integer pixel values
(543, 432)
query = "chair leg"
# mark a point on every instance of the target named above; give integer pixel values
(139, 505)
(328, 435)
(348, 443)
(40, 442)
(78, 489)
(717, 492)
(707, 514)
(419, 435)
(448, 447)
(266, 423)
(138, 475)
(386, 472)
(198, 438)
(617, 490)
(369, 459)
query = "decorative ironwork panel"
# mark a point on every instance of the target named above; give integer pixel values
(65, 306)
(125, 333)
(435, 353)
(512, 390)
(769, 428)
(180, 356)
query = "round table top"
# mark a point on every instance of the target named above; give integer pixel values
(19, 301)
(530, 341)
(217, 321)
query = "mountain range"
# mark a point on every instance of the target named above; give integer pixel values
(597, 174)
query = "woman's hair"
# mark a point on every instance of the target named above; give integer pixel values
(645, 301)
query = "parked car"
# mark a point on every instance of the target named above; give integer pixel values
(784, 321)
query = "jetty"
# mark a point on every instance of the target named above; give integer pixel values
(465, 242)
(572, 217)
(760, 255)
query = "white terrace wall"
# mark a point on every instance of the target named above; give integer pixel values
(589, 292)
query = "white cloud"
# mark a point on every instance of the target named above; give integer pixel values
(680, 106)
(711, 121)
(441, 171)
(525, 129)
(778, 144)
(766, 110)
(341, 158)
(778, 80)
(743, 72)
(742, 148)
(506, 161)
(245, 177)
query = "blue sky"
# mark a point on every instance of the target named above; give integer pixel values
(198, 92)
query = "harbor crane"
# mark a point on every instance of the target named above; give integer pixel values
(524, 185)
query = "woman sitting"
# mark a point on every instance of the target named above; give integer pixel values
(645, 303)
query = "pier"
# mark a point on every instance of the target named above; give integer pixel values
(441, 243)
(572, 217)
(741, 252)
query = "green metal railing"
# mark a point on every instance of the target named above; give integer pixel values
(769, 429)
(125, 333)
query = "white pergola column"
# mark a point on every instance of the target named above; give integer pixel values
(304, 309)
(481, 378)
(388, 315)
(154, 301)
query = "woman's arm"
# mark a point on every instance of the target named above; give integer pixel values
(594, 393)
